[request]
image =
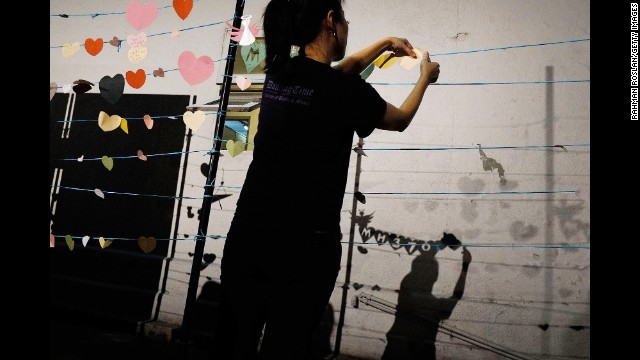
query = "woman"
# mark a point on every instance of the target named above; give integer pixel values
(282, 253)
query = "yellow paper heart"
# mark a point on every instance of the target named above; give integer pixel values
(69, 49)
(235, 147)
(408, 62)
(70, 242)
(137, 54)
(147, 244)
(104, 243)
(124, 125)
(385, 60)
(108, 123)
(107, 162)
(193, 120)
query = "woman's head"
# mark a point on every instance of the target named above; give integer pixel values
(299, 22)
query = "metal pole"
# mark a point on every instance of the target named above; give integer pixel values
(347, 276)
(211, 180)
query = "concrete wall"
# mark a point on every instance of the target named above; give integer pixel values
(522, 294)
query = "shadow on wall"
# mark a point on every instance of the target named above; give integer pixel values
(206, 313)
(418, 312)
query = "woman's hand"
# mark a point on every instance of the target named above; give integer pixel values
(429, 69)
(401, 47)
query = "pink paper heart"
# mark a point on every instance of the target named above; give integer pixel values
(142, 156)
(148, 121)
(193, 70)
(137, 41)
(141, 15)
(243, 82)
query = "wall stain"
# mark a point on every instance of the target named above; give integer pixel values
(521, 232)
(490, 164)
(465, 184)
(469, 211)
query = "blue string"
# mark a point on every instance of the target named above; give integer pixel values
(476, 148)
(94, 15)
(360, 244)
(488, 83)
(134, 194)
(173, 117)
(508, 47)
(469, 192)
(136, 156)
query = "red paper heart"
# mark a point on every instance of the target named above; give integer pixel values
(93, 47)
(183, 7)
(136, 79)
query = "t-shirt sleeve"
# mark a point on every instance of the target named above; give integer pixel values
(366, 105)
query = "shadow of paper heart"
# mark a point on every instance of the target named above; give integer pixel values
(111, 89)
(357, 286)
(204, 169)
(253, 55)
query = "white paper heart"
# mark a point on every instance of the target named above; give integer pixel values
(193, 120)
(68, 50)
(408, 62)
(108, 123)
(137, 54)
(243, 82)
(85, 240)
(66, 88)
(99, 193)
(81, 158)
(137, 41)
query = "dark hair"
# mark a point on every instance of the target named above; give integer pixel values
(293, 22)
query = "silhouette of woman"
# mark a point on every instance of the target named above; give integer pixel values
(418, 313)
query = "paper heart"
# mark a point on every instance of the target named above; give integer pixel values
(108, 123)
(175, 33)
(68, 50)
(107, 162)
(85, 240)
(70, 242)
(193, 70)
(99, 193)
(136, 79)
(193, 120)
(253, 55)
(66, 88)
(82, 86)
(147, 244)
(111, 89)
(81, 158)
(93, 47)
(115, 41)
(366, 72)
(183, 7)
(235, 147)
(159, 72)
(141, 15)
(53, 87)
(148, 121)
(142, 156)
(137, 54)
(408, 62)
(104, 243)
(124, 125)
(243, 82)
(137, 41)
(385, 60)
(52, 240)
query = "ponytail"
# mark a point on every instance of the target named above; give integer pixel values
(293, 22)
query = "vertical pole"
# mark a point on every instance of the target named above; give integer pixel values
(549, 224)
(211, 180)
(347, 276)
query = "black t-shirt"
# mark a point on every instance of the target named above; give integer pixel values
(308, 115)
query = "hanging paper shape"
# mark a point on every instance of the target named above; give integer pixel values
(246, 34)
(137, 41)
(111, 89)
(81, 158)
(115, 41)
(93, 47)
(147, 244)
(235, 147)
(141, 15)
(136, 55)
(158, 73)
(107, 162)
(148, 121)
(175, 33)
(183, 8)
(385, 60)
(66, 88)
(193, 70)
(104, 243)
(136, 79)
(70, 242)
(85, 240)
(193, 120)
(108, 123)
(366, 72)
(243, 82)
(52, 240)
(142, 156)
(68, 50)
(124, 125)
(99, 193)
